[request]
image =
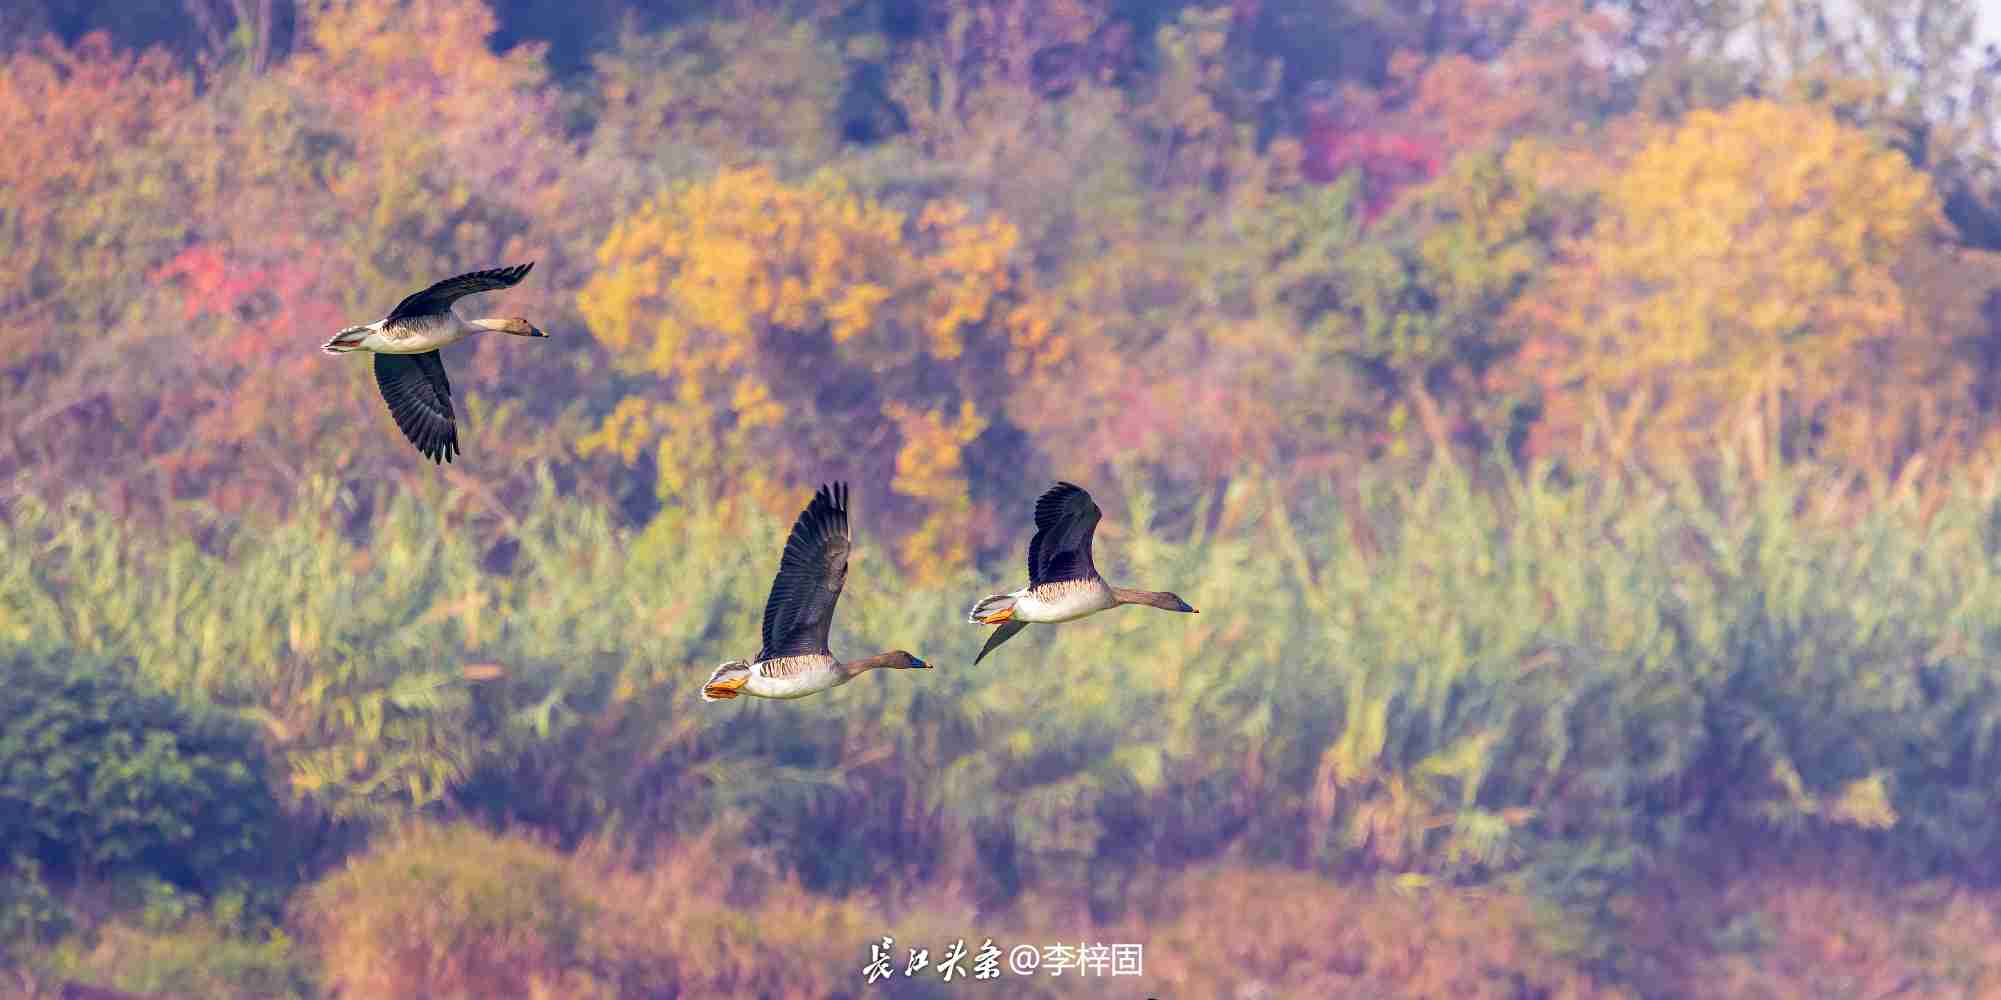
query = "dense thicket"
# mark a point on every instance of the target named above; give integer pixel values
(103, 775)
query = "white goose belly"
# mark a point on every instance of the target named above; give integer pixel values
(795, 676)
(1064, 601)
(416, 336)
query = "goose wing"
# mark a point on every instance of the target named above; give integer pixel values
(438, 298)
(420, 398)
(1065, 518)
(800, 610)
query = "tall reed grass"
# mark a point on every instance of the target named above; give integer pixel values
(1538, 679)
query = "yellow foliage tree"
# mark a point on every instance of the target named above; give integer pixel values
(803, 332)
(1745, 288)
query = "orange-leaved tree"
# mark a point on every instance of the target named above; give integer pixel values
(89, 199)
(1744, 288)
(453, 153)
(76, 166)
(726, 90)
(805, 331)
(1552, 74)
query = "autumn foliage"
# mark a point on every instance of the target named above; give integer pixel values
(1744, 289)
(749, 298)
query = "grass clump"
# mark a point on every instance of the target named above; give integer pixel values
(451, 912)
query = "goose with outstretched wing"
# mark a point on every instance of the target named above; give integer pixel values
(405, 344)
(795, 660)
(1063, 585)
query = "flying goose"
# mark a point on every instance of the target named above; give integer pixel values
(1063, 585)
(795, 660)
(406, 342)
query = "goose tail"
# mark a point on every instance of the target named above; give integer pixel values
(993, 610)
(996, 610)
(726, 681)
(347, 340)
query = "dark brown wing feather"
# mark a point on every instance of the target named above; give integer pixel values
(1065, 518)
(800, 610)
(420, 398)
(439, 297)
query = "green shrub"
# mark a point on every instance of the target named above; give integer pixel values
(172, 944)
(102, 778)
(30, 914)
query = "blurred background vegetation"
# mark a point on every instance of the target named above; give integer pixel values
(1575, 420)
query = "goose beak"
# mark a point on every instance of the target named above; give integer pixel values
(1185, 607)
